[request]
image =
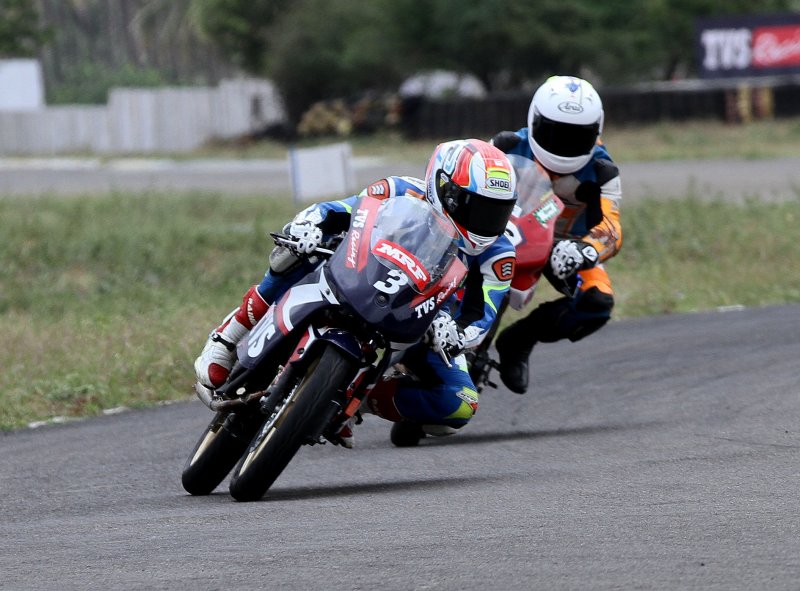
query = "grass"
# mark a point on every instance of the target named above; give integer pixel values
(105, 301)
(773, 138)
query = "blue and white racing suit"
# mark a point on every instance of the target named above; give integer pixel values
(443, 395)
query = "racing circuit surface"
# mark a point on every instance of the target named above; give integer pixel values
(661, 453)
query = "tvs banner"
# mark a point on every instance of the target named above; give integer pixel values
(753, 45)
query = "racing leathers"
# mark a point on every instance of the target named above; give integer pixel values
(443, 398)
(591, 198)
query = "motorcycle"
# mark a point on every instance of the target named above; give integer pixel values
(531, 230)
(307, 365)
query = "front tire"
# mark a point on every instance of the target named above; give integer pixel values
(217, 451)
(295, 419)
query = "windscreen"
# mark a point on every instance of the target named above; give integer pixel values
(412, 236)
(533, 184)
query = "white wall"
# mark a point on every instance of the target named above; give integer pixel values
(21, 85)
(142, 121)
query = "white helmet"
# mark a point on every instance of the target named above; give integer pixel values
(564, 121)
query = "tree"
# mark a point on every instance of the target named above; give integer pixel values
(240, 28)
(21, 33)
(311, 58)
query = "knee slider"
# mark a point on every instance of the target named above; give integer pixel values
(592, 311)
(595, 301)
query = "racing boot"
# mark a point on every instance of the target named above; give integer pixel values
(346, 437)
(215, 362)
(514, 346)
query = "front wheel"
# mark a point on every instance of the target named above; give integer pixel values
(217, 451)
(296, 418)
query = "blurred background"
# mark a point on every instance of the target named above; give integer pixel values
(149, 76)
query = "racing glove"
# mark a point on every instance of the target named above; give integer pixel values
(571, 256)
(307, 235)
(445, 335)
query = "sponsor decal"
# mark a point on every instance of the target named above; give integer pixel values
(570, 107)
(753, 45)
(546, 212)
(504, 268)
(352, 248)
(726, 49)
(403, 259)
(379, 190)
(447, 291)
(360, 218)
(425, 307)
(776, 46)
(470, 397)
(497, 183)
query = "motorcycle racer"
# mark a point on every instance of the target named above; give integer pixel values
(471, 182)
(565, 122)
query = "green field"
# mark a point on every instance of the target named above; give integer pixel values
(106, 300)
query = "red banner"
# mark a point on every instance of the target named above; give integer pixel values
(776, 46)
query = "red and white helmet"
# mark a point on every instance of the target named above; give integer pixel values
(564, 121)
(475, 185)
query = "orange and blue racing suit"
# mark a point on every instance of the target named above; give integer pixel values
(589, 296)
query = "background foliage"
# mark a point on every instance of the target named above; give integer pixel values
(320, 49)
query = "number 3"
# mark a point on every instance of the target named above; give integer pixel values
(393, 283)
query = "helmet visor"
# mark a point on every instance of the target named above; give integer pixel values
(478, 214)
(564, 139)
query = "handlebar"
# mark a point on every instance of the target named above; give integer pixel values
(286, 240)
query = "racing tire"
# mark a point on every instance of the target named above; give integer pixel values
(295, 421)
(217, 451)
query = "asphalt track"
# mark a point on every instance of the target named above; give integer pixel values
(661, 453)
(738, 179)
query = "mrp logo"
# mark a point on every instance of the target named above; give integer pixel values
(403, 259)
(425, 307)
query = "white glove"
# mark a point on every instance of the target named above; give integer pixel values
(307, 235)
(445, 335)
(569, 256)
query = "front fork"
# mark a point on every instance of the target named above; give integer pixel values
(360, 387)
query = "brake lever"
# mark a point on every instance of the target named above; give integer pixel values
(284, 240)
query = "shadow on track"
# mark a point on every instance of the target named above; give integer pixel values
(476, 438)
(383, 486)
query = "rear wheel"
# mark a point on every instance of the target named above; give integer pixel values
(303, 413)
(216, 453)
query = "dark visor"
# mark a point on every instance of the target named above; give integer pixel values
(564, 139)
(481, 215)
